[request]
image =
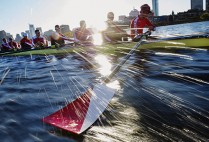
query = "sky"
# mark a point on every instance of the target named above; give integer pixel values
(16, 15)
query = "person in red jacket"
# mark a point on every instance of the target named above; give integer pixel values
(141, 21)
(5, 46)
(26, 43)
(13, 44)
(39, 41)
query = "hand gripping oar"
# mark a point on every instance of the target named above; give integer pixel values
(80, 114)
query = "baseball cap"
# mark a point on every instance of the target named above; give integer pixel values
(24, 34)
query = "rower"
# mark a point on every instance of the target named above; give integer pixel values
(113, 32)
(39, 41)
(82, 34)
(13, 44)
(141, 21)
(58, 38)
(5, 46)
(26, 43)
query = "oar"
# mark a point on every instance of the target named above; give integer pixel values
(172, 39)
(80, 114)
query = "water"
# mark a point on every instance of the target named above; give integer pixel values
(163, 95)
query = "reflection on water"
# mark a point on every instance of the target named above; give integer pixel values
(105, 65)
(183, 29)
(114, 85)
(162, 96)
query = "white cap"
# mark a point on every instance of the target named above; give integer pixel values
(24, 34)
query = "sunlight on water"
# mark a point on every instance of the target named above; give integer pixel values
(105, 65)
(162, 95)
(187, 78)
(114, 85)
(175, 54)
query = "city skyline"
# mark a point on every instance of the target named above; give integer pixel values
(197, 4)
(155, 7)
(48, 13)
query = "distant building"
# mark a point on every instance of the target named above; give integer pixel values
(207, 5)
(65, 28)
(32, 30)
(18, 38)
(48, 34)
(161, 19)
(22, 34)
(155, 6)
(122, 18)
(134, 13)
(28, 33)
(8, 35)
(197, 4)
(3, 34)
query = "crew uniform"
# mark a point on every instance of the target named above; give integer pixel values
(140, 22)
(40, 39)
(5, 46)
(13, 44)
(82, 34)
(25, 42)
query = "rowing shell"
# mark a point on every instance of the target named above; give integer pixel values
(186, 41)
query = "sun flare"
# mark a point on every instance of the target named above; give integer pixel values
(105, 65)
(97, 39)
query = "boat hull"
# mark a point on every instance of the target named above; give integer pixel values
(202, 42)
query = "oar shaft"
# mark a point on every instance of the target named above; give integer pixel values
(117, 68)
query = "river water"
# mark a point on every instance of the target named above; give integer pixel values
(163, 95)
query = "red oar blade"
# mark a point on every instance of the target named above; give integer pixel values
(80, 114)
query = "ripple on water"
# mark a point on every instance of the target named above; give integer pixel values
(162, 97)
